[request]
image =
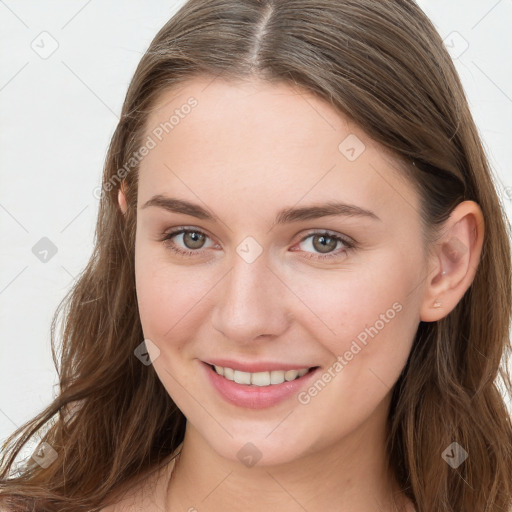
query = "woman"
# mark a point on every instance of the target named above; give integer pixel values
(300, 293)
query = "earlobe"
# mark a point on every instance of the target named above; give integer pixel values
(121, 199)
(455, 261)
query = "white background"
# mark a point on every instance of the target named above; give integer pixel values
(57, 116)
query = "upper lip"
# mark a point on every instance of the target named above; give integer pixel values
(260, 366)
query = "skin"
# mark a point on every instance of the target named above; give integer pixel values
(246, 151)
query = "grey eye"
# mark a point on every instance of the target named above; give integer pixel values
(323, 243)
(193, 239)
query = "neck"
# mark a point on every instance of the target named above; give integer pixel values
(353, 473)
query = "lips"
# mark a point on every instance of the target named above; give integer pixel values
(256, 396)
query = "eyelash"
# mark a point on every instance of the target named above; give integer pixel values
(349, 244)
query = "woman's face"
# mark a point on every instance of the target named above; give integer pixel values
(272, 272)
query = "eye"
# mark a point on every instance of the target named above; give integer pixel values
(193, 239)
(325, 242)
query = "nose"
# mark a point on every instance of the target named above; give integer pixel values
(254, 302)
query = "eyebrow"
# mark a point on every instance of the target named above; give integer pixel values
(285, 216)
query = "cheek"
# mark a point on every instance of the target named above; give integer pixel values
(368, 318)
(375, 318)
(169, 296)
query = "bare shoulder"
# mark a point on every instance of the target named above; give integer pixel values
(148, 493)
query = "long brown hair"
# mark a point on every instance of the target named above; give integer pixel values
(382, 64)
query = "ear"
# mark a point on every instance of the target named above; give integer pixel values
(121, 198)
(455, 259)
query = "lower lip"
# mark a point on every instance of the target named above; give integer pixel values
(256, 397)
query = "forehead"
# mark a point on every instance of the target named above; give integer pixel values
(237, 143)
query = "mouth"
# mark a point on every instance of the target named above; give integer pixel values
(258, 389)
(261, 379)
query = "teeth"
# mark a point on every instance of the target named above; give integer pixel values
(229, 373)
(260, 378)
(242, 377)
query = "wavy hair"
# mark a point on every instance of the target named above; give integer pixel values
(383, 65)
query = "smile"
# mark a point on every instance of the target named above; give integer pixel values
(261, 379)
(257, 390)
